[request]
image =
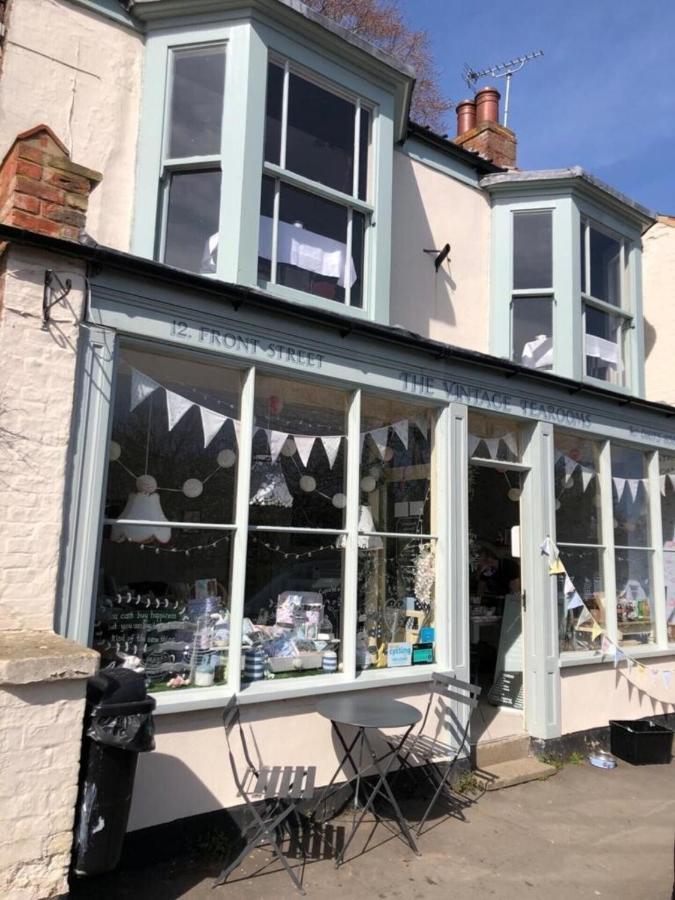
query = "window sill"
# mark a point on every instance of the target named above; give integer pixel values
(595, 657)
(311, 300)
(262, 692)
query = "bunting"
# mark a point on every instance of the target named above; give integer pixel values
(608, 646)
(176, 407)
(212, 422)
(141, 387)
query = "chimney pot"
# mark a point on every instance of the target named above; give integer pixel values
(487, 105)
(466, 116)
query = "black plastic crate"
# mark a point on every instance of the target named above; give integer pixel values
(641, 742)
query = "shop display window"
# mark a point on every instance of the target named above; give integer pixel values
(667, 484)
(294, 573)
(164, 576)
(632, 542)
(579, 538)
(396, 555)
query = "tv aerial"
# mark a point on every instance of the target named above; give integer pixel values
(500, 70)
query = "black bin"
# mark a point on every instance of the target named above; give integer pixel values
(642, 742)
(118, 726)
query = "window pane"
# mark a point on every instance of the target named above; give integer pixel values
(533, 332)
(630, 497)
(634, 600)
(532, 250)
(196, 110)
(364, 143)
(299, 454)
(395, 602)
(275, 89)
(603, 343)
(182, 481)
(168, 605)
(584, 566)
(494, 437)
(320, 135)
(311, 244)
(667, 471)
(577, 490)
(293, 607)
(395, 475)
(605, 268)
(192, 221)
(358, 258)
(265, 230)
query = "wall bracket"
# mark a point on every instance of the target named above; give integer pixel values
(54, 292)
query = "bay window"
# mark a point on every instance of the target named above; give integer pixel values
(606, 304)
(316, 207)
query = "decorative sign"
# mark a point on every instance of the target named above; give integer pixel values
(427, 635)
(423, 653)
(507, 690)
(399, 655)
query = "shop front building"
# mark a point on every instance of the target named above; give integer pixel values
(327, 402)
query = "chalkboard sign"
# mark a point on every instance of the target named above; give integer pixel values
(507, 690)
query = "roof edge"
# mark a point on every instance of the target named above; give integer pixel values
(447, 145)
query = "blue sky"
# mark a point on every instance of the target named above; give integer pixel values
(603, 95)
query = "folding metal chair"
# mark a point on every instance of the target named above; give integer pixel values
(419, 752)
(270, 793)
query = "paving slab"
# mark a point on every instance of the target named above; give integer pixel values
(585, 833)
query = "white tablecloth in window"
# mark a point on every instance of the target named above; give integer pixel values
(538, 353)
(296, 246)
(600, 348)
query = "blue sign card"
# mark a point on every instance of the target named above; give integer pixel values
(427, 635)
(399, 655)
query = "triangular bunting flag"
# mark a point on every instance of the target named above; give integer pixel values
(569, 586)
(401, 429)
(492, 444)
(556, 568)
(423, 425)
(606, 645)
(176, 407)
(304, 444)
(331, 444)
(511, 441)
(596, 631)
(620, 485)
(662, 481)
(362, 440)
(672, 479)
(570, 466)
(236, 424)
(618, 656)
(633, 485)
(574, 602)
(587, 475)
(212, 422)
(380, 436)
(141, 387)
(666, 677)
(473, 443)
(639, 671)
(630, 661)
(276, 440)
(584, 616)
(546, 547)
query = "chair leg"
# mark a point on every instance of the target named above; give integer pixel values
(440, 787)
(227, 870)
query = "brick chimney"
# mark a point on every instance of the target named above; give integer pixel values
(478, 129)
(41, 189)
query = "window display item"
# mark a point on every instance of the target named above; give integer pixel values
(254, 664)
(422, 654)
(399, 655)
(144, 506)
(330, 661)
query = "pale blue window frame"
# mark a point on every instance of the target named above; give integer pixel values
(250, 44)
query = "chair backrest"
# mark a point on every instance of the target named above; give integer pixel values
(232, 720)
(446, 686)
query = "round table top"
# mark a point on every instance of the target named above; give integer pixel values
(369, 712)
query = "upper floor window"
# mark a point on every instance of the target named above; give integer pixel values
(190, 180)
(605, 303)
(315, 212)
(532, 289)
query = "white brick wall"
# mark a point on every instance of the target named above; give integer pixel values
(40, 727)
(40, 723)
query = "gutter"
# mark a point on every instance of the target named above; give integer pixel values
(239, 295)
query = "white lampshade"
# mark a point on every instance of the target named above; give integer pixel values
(145, 507)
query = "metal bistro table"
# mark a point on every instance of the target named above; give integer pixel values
(364, 713)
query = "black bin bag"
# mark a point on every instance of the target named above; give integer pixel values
(118, 726)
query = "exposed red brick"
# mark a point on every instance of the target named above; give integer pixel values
(29, 169)
(59, 213)
(492, 141)
(41, 188)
